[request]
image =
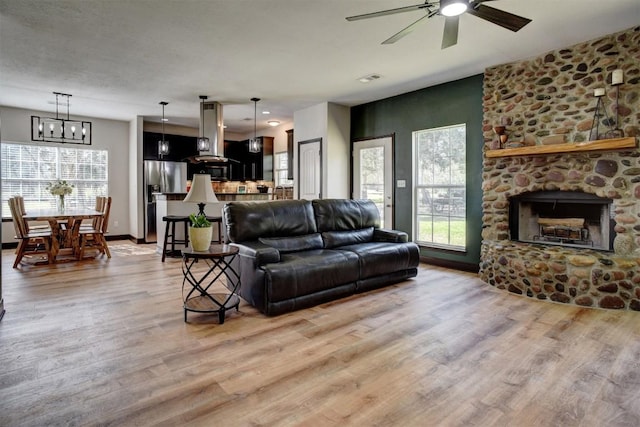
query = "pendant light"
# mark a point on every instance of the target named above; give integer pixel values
(203, 141)
(163, 145)
(254, 144)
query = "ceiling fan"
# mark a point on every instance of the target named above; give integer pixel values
(451, 10)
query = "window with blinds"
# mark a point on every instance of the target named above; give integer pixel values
(281, 163)
(27, 169)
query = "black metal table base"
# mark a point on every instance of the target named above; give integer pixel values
(219, 259)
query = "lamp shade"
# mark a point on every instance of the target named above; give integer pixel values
(201, 191)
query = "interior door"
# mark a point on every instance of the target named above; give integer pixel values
(373, 175)
(310, 169)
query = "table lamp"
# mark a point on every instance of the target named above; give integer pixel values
(201, 192)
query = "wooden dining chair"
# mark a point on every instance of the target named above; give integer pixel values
(94, 237)
(32, 226)
(29, 242)
(99, 206)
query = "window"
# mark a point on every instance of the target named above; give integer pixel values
(439, 187)
(281, 163)
(27, 169)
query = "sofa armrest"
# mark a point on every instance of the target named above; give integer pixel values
(262, 253)
(394, 236)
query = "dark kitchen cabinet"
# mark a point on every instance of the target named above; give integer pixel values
(180, 147)
(251, 166)
(290, 154)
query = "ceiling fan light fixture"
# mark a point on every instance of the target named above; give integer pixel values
(452, 7)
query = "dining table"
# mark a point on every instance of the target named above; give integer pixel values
(65, 226)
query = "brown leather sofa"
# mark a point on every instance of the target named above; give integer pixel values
(300, 253)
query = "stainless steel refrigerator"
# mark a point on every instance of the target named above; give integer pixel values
(160, 177)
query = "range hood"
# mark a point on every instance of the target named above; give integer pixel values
(211, 127)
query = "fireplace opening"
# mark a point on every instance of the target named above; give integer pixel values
(565, 218)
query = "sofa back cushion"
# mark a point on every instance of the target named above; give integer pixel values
(345, 214)
(334, 239)
(245, 221)
(294, 243)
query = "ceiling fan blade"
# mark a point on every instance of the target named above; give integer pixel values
(450, 36)
(499, 17)
(424, 5)
(408, 29)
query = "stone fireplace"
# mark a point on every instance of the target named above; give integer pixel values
(560, 224)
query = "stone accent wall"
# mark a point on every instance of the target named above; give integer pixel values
(549, 99)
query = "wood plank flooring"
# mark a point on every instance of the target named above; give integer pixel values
(103, 342)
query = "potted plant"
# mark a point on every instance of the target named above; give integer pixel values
(200, 232)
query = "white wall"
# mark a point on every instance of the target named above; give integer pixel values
(136, 197)
(332, 123)
(110, 135)
(337, 159)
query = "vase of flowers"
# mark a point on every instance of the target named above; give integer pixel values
(60, 188)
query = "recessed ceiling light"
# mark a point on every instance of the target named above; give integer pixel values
(266, 112)
(369, 78)
(273, 123)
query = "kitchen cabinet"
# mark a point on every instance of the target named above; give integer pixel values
(290, 154)
(180, 147)
(251, 166)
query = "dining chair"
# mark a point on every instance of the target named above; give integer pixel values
(99, 206)
(32, 226)
(30, 242)
(94, 237)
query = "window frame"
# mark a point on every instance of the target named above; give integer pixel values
(452, 203)
(33, 188)
(277, 181)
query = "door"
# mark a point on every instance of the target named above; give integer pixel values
(373, 175)
(310, 169)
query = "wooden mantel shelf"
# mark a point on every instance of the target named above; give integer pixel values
(599, 145)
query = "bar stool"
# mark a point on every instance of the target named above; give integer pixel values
(171, 221)
(218, 221)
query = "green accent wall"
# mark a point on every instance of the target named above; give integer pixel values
(447, 104)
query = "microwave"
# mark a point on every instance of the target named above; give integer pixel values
(217, 172)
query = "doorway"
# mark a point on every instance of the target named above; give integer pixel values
(373, 175)
(310, 169)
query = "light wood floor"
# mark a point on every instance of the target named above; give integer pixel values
(104, 343)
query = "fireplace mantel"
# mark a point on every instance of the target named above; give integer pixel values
(599, 145)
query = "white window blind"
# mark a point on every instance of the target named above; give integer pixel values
(27, 169)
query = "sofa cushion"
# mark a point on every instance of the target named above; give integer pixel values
(334, 239)
(309, 272)
(380, 258)
(345, 214)
(251, 220)
(295, 243)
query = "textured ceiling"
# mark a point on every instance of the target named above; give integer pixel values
(120, 58)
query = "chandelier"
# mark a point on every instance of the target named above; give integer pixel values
(60, 129)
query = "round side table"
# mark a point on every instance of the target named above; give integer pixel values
(219, 260)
